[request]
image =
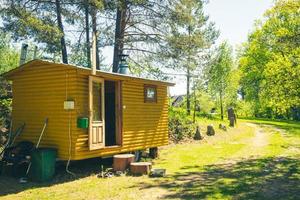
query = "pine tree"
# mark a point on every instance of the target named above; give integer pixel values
(191, 35)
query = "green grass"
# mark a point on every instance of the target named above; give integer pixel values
(255, 160)
(292, 127)
(211, 150)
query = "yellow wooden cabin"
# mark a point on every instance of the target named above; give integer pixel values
(124, 113)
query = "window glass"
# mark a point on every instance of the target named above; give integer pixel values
(150, 93)
(97, 108)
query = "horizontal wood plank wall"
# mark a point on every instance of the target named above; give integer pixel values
(144, 124)
(39, 92)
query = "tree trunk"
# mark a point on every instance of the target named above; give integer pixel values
(122, 161)
(195, 102)
(188, 100)
(139, 168)
(61, 28)
(95, 37)
(87, 32)
(119, 34)
(221, 104)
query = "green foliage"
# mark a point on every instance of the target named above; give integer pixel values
(245, 109)
(9, 57)
(78, 56)
(32, 20)
(281, 84)
(219, 72)
(9, 60)
(191, 36)
(5, 107)
(231, 91)
(270, 62)
(180, 126)
(190, 33)
(205, 102)
(222, 79)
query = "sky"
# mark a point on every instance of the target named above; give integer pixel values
(234, 19)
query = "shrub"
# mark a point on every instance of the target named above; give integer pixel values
(5, 103)
(245, 109)
(180, 126)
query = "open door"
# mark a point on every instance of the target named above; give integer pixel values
(96, 113)
(113, 111)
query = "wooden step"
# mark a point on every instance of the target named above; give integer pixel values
(139, 168)
(122, 161)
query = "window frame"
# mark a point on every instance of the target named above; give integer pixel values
(146, 98)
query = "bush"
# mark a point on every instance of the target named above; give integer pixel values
(245, 109)
(180, 126)
(5, 103)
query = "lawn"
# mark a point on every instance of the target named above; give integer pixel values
(256, 160)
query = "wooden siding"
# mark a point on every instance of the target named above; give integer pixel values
(144, 124)
(39, 91)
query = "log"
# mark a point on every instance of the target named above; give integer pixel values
(122, 161)
(139, 168)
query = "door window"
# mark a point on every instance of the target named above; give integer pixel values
(97, 108)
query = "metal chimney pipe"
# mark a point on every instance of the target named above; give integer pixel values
(123, 65)
(23, 56)
(35, 52)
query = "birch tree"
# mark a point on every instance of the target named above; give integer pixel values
(219, 73)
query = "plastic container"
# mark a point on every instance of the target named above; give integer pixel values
(82, 122)
(43, 164)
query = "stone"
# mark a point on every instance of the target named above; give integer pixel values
(210, 130)
(231, 121)
(198, 135)
(223, 127)
(231, 117)
(158, 173)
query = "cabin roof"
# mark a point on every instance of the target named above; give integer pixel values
(34, 63)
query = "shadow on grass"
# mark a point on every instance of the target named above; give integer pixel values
(83, 168)
(269, 178)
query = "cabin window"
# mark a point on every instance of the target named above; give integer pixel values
(150, 93)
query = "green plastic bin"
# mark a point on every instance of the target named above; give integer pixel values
(83, 122)
(43, 164)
